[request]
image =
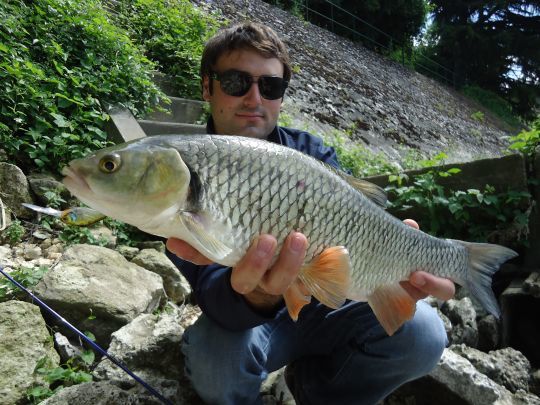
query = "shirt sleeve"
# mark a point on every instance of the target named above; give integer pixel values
(213, 293)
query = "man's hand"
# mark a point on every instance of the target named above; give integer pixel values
(261, 285)
(422, 284)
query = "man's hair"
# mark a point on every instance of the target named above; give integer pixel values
(245, 36)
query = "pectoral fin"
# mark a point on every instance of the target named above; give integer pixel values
(392, 306)
(328, 276)
(215, 248)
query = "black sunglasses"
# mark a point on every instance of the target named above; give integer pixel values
(237, 83)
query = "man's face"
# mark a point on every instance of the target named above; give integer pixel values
(248, 115)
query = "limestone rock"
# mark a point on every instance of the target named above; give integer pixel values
(24, 341)
(506, 366)
(93, 280)
(463, 317)
(462, 378)
(14, 190)
(176, 286)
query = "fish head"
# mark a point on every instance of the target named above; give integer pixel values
(133, 182)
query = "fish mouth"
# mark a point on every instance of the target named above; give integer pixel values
(74, 181)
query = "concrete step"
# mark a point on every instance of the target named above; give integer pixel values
(164, 128)
(180, 110)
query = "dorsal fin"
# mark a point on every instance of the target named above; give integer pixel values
(370, 190)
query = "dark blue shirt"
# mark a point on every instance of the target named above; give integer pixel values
(212, 284)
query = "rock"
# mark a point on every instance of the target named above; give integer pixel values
(24, 341)
(276, 390)
(535, 382)
(176, 286)
(128, 252)
(99, 281)
(14, 190)
(489, 333)
(43, 183)
(532, 284)
(507, 366)
(150, 347)
(152, 244)
(462, 378)
(31, 251)
(100, 393)
(463, 317)
(65, 348)
(103, 235)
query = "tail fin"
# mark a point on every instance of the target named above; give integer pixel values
(484, 260)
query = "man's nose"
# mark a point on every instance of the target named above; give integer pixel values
(253, 96)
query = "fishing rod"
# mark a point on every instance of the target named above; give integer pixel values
(94, 345)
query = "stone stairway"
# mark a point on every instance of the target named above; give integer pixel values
(181, 116)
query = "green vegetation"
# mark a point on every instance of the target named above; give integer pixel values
(494, 103)
(527, 141)
(474, 215)
(62, 61)
(75, 371)
(172, 34)
(26, 276)
(59, 60)
(14, 233)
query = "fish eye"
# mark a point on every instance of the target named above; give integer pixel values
(110, 163)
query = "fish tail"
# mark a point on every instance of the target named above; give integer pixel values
(484, 260)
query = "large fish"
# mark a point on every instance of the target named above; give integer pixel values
(219, 192)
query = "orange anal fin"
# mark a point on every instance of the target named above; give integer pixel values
(295, 300)
(392, 306)
(328, 276)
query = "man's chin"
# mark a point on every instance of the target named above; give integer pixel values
(255, 132)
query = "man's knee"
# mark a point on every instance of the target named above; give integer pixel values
(428, 336)
(216, 358)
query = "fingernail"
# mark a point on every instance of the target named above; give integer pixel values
(418, 281)
(264, 247)
(297, 243)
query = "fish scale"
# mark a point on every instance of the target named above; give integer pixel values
(249, 187)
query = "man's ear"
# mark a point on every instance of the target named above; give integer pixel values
(206, 88)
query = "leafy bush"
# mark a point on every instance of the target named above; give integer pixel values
(172, 33)
(526, 141)
(26, 276)
(58, 60)
(475, 215)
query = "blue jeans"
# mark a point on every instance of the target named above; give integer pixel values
(341, 356)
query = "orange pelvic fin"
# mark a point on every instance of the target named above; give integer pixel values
(392, 306)
(295, 300)
(328, 276)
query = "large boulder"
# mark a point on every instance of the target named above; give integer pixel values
(176, 286)
(98, 290)
(24, 341)
(506, 366)
(14, 190)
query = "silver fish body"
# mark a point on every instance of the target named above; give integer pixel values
(232, 189)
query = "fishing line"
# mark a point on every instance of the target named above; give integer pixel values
(94, 345)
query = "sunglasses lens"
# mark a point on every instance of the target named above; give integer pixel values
(236, 83)
(271, 88)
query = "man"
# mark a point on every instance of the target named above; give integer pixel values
(338, 356)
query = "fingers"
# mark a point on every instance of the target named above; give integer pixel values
(412, 223)
(428, 284)
(186, 252)
(286, 269)
(248, 273)
(254, 268)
